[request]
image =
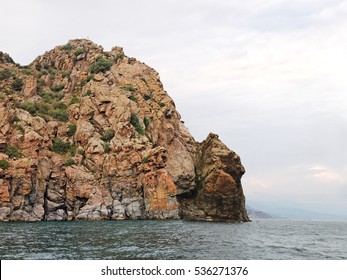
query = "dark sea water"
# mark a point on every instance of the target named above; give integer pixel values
(263, 239)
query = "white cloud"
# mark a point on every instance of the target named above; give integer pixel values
(256, 183)
(325, 175)
(308, 186)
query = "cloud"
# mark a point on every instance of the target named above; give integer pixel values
(308, 186)
(257, 183)
(325, 175)
(291, 16)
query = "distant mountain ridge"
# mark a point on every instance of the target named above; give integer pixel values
(278, 212)
(257, 214)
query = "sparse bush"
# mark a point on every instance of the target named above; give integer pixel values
(42, 108)
(67, 47)
(119, 57)
(74, 100)
(145, 159)
(59, 105)
(13, 152)
(17, 84)
(65, 74)
(69, 162)
(4, 164)
(19, 128)
(29, 106)
(161, 104)
(5, 74)
(129, 88)
(42, 73)
(79, 51)
(52, 71)
(100, 65)
(132, 98)
(89, 78)
(60, 147)
(107, 135)
(82, 83)
(146, 122)
(15, 119)
(38, 66)
(147, 97)
(88, 93)
(50, 106)
(57, 88)
(35, 108)
(107, 147)
(50, 97)
(58, 114)
(82, 153)
(73, 150)
(26, 71)
(71, 130)
(149, 137)
(135, 122)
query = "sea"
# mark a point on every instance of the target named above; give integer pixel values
(174, 239)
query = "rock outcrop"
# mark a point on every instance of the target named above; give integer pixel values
(90, 135)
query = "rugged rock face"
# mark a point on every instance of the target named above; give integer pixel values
(218, 195)
(90, 135)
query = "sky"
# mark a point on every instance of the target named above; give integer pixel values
(268, 76)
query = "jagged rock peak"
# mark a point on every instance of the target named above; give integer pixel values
(5, 58)
(90, 135)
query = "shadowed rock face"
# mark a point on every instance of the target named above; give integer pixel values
(91, 135)
(218, 195)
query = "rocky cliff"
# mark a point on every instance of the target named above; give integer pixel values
(88, 135)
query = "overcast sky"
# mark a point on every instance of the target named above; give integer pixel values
(268, 76)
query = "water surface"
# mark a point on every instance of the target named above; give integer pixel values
(263, 239)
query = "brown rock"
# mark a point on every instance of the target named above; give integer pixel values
(4, 193)
(219, 195)
(30, 86)
(107, 143)
(160, 195)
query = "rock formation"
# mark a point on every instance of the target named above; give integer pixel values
(91, 135)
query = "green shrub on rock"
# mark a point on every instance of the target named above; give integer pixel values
(57, 88)
(59, 146)
(29, 106)
(13, 152)
(106, 147)
(58, 114)
(135, 122)
(71, 130)
(74, 100)
(146, 122)
(5, 74)
(79, 51)
(17, 84)
(107, 135)
(4, 164)
(67, 47)
(69, 162)
(100, 65)
(129, 88)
